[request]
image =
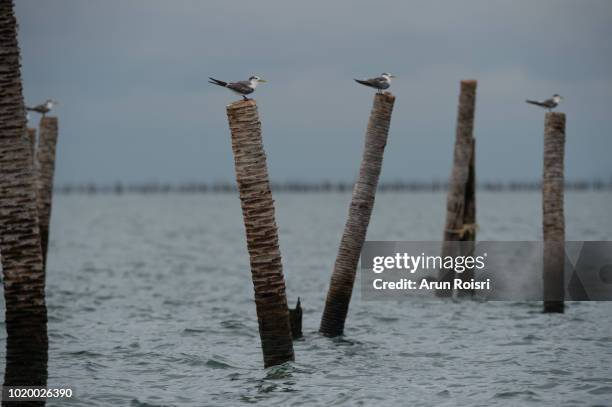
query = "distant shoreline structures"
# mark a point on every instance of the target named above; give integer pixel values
(311, 187)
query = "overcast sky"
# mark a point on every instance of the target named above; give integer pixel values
(131, 77)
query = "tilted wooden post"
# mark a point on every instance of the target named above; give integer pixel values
(454, 227)
(45, 168)
(24, 281)
(553, 216)
(261, 232)
(362, 203)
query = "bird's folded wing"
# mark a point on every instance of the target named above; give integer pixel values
(242, 86)
(375, 82)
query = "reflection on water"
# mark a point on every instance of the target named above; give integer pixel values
(150, 303)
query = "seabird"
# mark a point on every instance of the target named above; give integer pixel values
(242, 88)
(549, 104)
(380, 83)
(43, 108)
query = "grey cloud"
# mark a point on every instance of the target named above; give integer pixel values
(131, 76)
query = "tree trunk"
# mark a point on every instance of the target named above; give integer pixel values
(553, 217)
(362, 203)
(261, 232)
(455, 206)
(24, 282)
(45, 165)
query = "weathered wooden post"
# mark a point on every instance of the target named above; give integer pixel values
(45, 168)
(261, 232)
(295, 320)
(455, 227)
(24, 281)
(469, 213)
(32, 138)
(470, 227)
(362, 203)
(553, 216)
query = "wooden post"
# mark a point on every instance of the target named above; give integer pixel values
(261, 232)
(295, 319)
(32, 138)
(454, 227)
(553, 216)
(362, 203)
(45, 168)
(470, 227)
(24, 280)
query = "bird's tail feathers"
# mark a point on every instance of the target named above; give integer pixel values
(361, 82)
(534, 102)
(217, 82)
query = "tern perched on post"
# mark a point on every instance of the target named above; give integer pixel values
(242, 88)
(43, 108)
(379, 83)
(549, 104)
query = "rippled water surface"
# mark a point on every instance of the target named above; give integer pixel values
(150, 304)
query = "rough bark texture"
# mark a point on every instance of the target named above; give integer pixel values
(32, 137)
(469, 217)
(455, 204)
(362, 203)
(261, 232)
(24, 282)
(45, 168)
(553, 217)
